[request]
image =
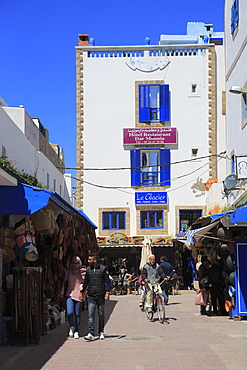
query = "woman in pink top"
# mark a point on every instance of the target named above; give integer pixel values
(74, 279)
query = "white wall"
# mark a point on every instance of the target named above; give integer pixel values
(21, 152)
(109, 102)
(236, 74)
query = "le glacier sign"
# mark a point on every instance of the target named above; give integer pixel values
(151, 197)
(155, 135)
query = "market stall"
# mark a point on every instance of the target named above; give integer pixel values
(39, 235)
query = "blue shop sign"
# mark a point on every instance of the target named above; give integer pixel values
(151, 197)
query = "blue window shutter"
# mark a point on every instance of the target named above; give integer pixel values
(144, 103)
(234, 15)
(165, 167)
(164, 103)
(135, 164)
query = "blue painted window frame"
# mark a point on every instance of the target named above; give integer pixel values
(234, 15)
(161, 113)
(164, 173)
(114, 217)
(151, 217)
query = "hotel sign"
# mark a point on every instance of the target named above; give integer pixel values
(155, 135)
(157, 197)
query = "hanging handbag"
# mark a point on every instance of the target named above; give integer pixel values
(201, 298)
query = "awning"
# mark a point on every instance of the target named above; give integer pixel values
(196, 235)
(86, 217)
(237, 216)
(119, 245)
(26, 200)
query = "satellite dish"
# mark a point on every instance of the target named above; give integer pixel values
(230, 181)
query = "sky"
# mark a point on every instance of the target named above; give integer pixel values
(38, 39)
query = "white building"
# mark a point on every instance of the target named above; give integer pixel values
(24, 144)
(150, 130)
(236, 81)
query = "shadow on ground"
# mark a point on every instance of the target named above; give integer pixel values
(37, 356)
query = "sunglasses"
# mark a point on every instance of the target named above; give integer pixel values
(75, 263)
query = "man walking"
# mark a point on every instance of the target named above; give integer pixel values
(97, 283)
(152, 274)
(168, 271)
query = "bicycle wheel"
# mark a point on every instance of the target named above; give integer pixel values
(161, 309)
(148, 313)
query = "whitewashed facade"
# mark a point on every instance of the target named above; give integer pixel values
(24, 142)
(236, 77)
(108, 79)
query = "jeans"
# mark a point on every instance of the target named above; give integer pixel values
(74, 313)
(94, 302)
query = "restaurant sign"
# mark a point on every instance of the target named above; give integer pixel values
(154, 135)
(157, 197)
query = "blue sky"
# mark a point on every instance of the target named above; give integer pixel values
(38, 39)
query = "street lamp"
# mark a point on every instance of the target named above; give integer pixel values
(238, 90)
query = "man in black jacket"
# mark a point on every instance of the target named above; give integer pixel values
(97, 283)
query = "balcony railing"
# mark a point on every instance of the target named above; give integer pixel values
(150, 178)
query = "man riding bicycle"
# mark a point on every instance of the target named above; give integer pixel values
(152, 274)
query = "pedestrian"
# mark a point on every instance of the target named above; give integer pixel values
(132, 281)
(71, 289)
(97, 284)
(217, 289)
(168, 271)
(203, 279)
(123, 279)
(152, 274)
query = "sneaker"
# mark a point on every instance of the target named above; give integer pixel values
(149, 309)
(89, 337)
(76, 335)
(71, 331)
(141, 304)
(101, 335)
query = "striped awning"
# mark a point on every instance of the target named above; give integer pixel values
(196, 235)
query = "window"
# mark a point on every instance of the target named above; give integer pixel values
(113, 220)
(150, 167)
(194, 152)
(193, 88)
(187, 218)
(244, 108)
(154, 103)
(233, 164)
(234, 16)
(151, 219)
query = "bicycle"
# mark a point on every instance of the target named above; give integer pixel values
(158, 303)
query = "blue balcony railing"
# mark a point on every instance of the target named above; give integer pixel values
(150, 178)
(154, 114)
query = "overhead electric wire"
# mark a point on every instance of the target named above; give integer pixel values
(130, 187)
(179, 187)
(129, 168)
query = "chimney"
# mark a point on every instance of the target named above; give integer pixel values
(83, 40)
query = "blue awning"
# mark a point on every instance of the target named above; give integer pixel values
(86, 217)
(219, 215)
(26, 200)
(239, 215)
